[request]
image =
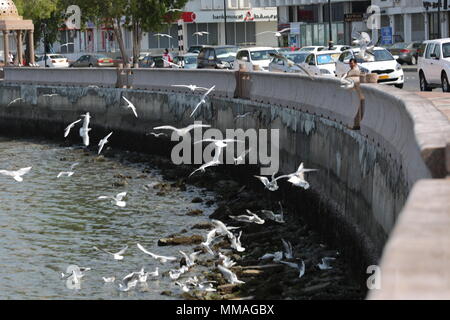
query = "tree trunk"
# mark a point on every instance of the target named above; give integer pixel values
(137, 40)
(119, 36)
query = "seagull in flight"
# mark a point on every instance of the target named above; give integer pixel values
(74, 269)
(162, 259)
(173, 10)
(128, 285)
(325, 264)
(117, 255)
(110, 279)
(103, 142)
(69, 127)
(117, 200)
(275, 33)
(15, 101)
(68, 173)
(130, 106)
(366, 45)
(209, 239)
(222, 229)
(241, 157)
(226, 261)
(236, 243)
(163, 35)
(275, 217)
(84, 130)
(190, 259)
(183, 131)
(214, 162)
(270, 185)
(276, 256)
(200, 33)
(229, 275)
(50, 95)
(156, 135)
(298, 178)
(300, 266)
(241, 116)
(203, 99)
(191, 87)
(252, 218)
(288, 250)
(17, 175)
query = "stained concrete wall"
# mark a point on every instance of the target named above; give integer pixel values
(364, 176)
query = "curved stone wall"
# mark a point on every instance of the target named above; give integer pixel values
(364, 176)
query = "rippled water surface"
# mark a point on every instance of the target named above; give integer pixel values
(47, 223)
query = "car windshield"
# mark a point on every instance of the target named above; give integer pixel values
(307, 49)
(57, 56)
(325, 59)
(446, 50)
(379, 55)
(297, 58)
(262, 55)
(400, 45)
(99, 56)
(190, 60)
(226, 52)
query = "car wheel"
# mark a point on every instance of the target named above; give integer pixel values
(423, 83)
(400, 86)
(444, 82)
(413, 60)
(91, 66)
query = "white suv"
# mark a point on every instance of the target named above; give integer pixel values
(255, 56)
(434, 65)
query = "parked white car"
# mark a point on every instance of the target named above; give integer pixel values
(53, 61)
(385, 65)
(312, 48)
(258, 57)
(321, 63)
(288, 62)
(433, 65)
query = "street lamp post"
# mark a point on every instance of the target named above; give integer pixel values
(225, 19)
(439, 18)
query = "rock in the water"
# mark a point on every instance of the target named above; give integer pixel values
(197, 200)
(316, 287)
(203, 225)
(174, 241)
(228, 288)
(196, 212)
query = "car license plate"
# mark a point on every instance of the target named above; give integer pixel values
(383, 77)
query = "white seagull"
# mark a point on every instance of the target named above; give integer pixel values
(162, 259)
(68, 173)
(241, 116)
(325, 264)
(200, 33)
(17, 175)
(229, 275)
(191, 87)
(110, 279)
(163, 35)
(214, 162)
(156, 135)
(276, 256)
(130, 106)
(209, 239)
(203, 99)
(50, 95)
(174, 274)
(236, 243)
(14, 101)
(298, 178)
(183, 131)
(366, 46)
(241, 157)
(252, 218)
(69, 127)
(275, 217)
(275, 33)
(117, 200)
(190, 259)
(226, 261)
(347, 83)
(299, 266)
(270, 185)
(117, 255)
(84, 130)
(288, 250)
(102, 142)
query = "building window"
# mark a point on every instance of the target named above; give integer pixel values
(308, 13)
(337, 12)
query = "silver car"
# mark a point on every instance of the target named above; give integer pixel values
(288, 62)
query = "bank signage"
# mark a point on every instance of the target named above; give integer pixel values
(255, 15)
(386, 35)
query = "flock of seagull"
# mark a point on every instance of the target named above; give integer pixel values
(74, 273)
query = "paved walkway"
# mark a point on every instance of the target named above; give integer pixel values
(441, 100)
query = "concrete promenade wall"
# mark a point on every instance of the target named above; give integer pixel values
(365, 176)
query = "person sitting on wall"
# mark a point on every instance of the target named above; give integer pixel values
(354, 73)
(354, 69)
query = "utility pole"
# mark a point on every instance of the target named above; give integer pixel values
(44, 31)
(225, 19)
(439, 18)
(330, 33)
